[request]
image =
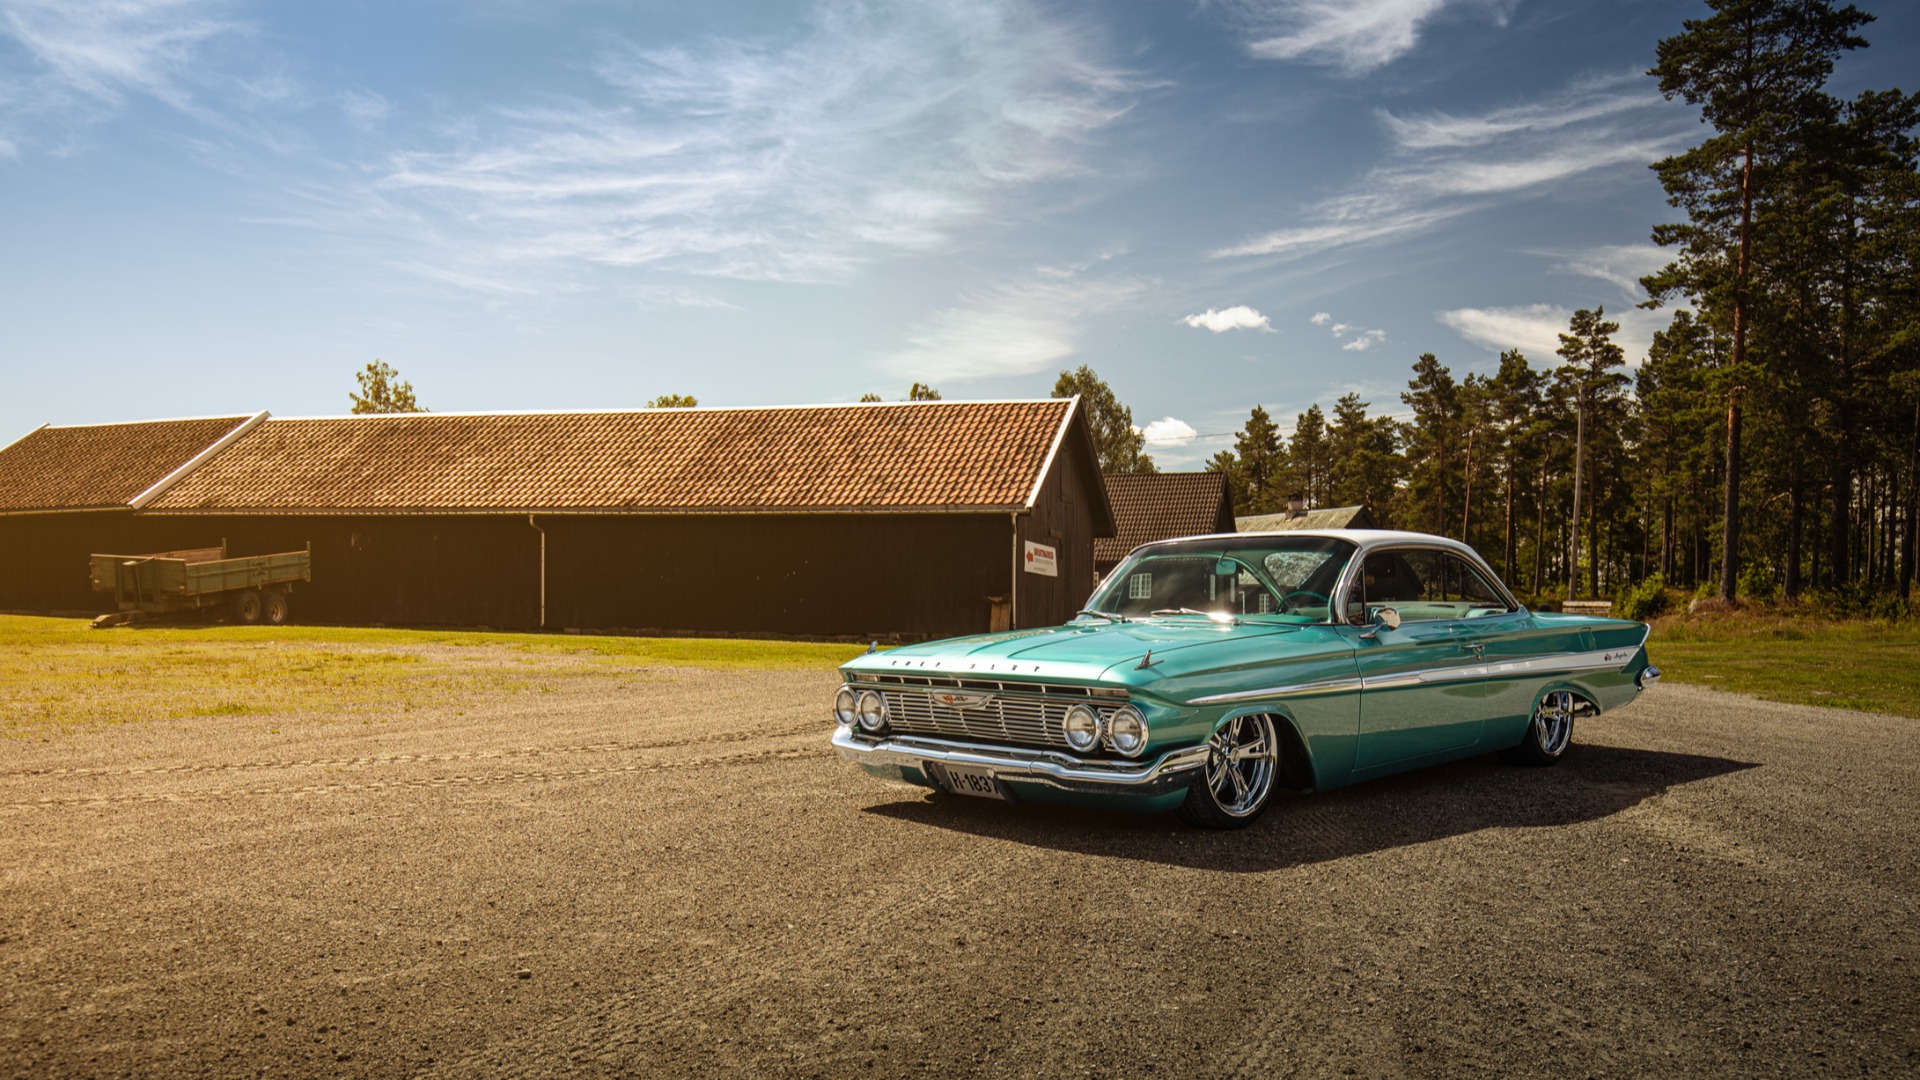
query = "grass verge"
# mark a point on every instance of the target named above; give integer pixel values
(1867, 665)
(57, 675)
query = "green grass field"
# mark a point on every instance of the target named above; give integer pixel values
(57, 675)
(1872, 666)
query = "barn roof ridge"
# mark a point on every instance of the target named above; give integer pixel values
(677, 409)
(235, 417)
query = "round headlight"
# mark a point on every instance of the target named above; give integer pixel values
(1128, 730)
(871, 710)
(1081, 726)
(844, 711)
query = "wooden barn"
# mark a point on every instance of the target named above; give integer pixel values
(1161, 506)
(894, 520)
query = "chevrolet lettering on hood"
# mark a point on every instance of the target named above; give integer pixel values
(1299, 660)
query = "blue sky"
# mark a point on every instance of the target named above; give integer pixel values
(214, 206)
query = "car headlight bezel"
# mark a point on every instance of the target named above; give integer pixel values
(846, 710)
(1127, 731)
(871, 711)
(1082, 728)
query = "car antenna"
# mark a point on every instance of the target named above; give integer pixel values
(1147, 661)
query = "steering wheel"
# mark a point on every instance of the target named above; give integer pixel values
(1287, 604)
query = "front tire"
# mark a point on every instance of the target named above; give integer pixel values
(1243, 762)
(1550, 731)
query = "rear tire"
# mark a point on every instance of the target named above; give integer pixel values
(273, 611)
(1550, 731)
(245, 607)
(1236, 786)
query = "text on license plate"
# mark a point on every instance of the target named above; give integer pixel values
(972, 782)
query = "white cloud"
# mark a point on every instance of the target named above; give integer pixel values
(1367, 340)
(1362, 341)
(669, 296)
(1445, 166)
(1238, 317)
(1622, 265)
(364, 109)
(1011, 329)
(1168, 430)
(104, 49)
(1534, 329)
(1594, 99)
(875, 129)
(1354, 36)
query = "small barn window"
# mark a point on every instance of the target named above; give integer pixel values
(1139, 586)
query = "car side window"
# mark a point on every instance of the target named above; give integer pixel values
(1423, 583)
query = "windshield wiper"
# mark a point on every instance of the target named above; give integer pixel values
(1107, 615)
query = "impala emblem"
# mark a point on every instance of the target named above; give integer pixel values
(962, 701)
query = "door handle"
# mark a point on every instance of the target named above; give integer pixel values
(1478, 651)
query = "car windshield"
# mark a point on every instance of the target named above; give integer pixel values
(1285, 578)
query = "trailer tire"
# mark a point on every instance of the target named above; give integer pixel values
(273, 610)
(245, 607)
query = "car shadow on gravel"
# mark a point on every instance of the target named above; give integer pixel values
(1592, 782)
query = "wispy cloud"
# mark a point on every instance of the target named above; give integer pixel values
(1446, 165)
(1535, 329)
(67, 63)
(879, 128)
(1353, 36)
(1621, 265)
(1238, 317)
(1016, 328)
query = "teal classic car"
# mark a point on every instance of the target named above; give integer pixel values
(1207, 672)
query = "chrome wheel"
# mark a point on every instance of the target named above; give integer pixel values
(1243, 758)
(1550, 730)
(1553, 722)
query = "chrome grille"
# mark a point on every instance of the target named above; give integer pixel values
(1028, 714)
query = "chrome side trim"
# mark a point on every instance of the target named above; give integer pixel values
(1305, 689)
(1167, 773)
(1598, 660)
(1565, 663)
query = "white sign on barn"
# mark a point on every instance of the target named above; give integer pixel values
(1042, 559)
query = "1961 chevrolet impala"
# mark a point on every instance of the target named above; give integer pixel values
(1207, 672)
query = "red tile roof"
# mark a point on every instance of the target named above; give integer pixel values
(101, 465)
(1161, 506)
(922, 456)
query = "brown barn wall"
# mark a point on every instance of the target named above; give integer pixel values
(871, 575)
(1062, 518)
(43, 557)
(878, 575)
(407, 571)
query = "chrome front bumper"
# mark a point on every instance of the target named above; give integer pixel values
(1167, 773)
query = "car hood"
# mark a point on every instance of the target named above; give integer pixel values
(1086, 652)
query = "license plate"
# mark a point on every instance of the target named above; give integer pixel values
(969, 781)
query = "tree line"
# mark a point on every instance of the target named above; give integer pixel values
(1769, 443)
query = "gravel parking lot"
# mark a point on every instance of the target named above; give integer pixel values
(678, 877)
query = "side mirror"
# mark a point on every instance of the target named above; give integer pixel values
(1385, 618)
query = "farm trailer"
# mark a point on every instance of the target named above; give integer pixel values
(251, 590)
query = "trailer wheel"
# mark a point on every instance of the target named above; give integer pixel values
(246, 607)
(273, 611)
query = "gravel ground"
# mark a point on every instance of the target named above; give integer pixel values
(680, 878)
